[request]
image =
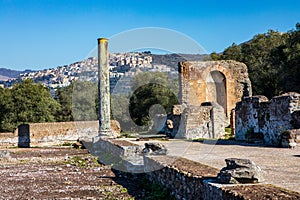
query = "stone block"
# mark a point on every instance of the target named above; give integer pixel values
(240, 171)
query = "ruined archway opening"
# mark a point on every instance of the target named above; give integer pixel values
(216, 89)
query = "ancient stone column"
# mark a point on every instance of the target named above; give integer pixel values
(103, 87)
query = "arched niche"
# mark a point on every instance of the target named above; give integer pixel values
(216, 90)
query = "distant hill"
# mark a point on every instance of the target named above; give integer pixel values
(8, 73)
(3, 78)
(170, 60)
(173, 59)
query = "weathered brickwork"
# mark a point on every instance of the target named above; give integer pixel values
(205, 121)
(258, 119)
(209, 91)
(223, 82)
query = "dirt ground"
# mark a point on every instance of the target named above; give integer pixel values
(67, 173)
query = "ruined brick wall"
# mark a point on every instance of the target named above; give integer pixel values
(219, 83)
(195, 123)
(205, 121)
(257, 118)
(202, 82)
(296, 119)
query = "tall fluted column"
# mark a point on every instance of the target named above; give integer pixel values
(103, 87)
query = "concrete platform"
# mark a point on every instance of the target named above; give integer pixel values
(281, 166)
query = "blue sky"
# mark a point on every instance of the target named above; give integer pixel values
(38, 34)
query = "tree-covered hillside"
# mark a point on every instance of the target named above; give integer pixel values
(273, 61)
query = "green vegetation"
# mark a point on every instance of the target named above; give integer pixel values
(155, 191)
(152, 89)
(85, 101)
(83, 162)
(26, 102)
(228, 130)
(228, 135)
(120, 112)
(64, 98)
(273, 61)
(128, 134)
(154, 93)
(78, 102)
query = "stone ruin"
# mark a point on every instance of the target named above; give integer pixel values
(216, 94)
(274, 122)
(239, 170)
(209, 91)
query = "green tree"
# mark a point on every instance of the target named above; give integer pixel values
(151, 89)
(78, 101)
(212, 56)
(84, 101)
(291, 64)
(120, 111)
(264, 56)
(234, 52)
(7, 110)
(64, 98)
(264, 68)
(27, 102)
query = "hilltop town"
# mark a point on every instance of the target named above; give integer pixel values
(122, 65)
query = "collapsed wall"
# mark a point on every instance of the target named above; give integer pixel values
(261, 120)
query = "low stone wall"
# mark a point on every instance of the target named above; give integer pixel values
(9, 139)
(44, 134)
(184, 178)
(123, 155)
(53, 133)
(257, 118)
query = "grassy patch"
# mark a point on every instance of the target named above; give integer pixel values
(203, 139)
(66, 144)
(155, 191)
(83, 162)
(229, 137)
(128, 134)
(228, 130)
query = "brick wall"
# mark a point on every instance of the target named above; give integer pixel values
(257, 118)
